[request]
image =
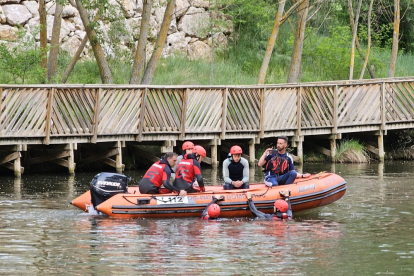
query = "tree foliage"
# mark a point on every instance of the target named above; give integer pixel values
(22, 62)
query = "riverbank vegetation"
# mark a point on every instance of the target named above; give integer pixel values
(326, 51)
(351, 151)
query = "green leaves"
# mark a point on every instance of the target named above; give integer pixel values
(21, 65)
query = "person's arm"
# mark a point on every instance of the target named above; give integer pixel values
(302, 175)
(291, 165)
(197, 172)
(262, 159)
(226, 173)
(245, 170)
(204, 215)
(253, 208)
(166, 174)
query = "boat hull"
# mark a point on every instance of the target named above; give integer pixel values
(308, 193)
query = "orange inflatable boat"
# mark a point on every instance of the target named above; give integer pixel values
(307, 193)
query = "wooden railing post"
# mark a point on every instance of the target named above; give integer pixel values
(262, 110)
(96, 116)
(142, 115)
(335, 110)
(382, 97)
(299, 110)
(49, 116)
(1, 99)
(184, 113)
(224, 114)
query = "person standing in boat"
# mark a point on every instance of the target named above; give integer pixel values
(281, 210)
(235, 170)
(159, 175)
(278, 165)
(187, 148)
(188, 176)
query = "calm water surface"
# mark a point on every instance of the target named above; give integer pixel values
(370, 231)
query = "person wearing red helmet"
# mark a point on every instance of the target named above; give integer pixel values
(187, 148)
(235, 170)
(188, 175)
(157, 179)
(282, 208)
(212, 210)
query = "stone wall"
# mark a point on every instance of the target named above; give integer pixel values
(188, 33)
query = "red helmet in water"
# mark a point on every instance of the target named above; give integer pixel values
(281, 205)
(213, 210)
(236, 150)
(200, 150)
(188, 145)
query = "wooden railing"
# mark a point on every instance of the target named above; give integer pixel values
(70, 112)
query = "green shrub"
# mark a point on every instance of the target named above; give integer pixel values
(351, 151)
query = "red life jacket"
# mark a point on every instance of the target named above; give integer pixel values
(277, 165)
(186, 170)
(155, 173)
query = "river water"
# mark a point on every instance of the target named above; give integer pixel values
(370, 231)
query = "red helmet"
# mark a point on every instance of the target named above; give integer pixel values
(188, 145)
(200, 150)
(213, 210)
(281, 205)
(236, 150)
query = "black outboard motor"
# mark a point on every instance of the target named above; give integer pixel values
(105, 185)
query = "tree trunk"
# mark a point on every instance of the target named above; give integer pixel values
(139, 61)
(74, 59)
(54, 43)
(354, 34)
(43, 31)
(395, 37)
(155, 57)
(358, 47)
(271, 43)
(103, 66)
(296, 61)
(369, 41)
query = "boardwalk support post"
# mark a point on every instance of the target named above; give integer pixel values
(71, 158)
(252, 150)
(333, 149)
(381, 152)
(213, 150)
(12, 160)
(300, 150)
(168, 146)
(118, 158)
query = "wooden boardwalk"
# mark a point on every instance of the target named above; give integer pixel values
(64, 116)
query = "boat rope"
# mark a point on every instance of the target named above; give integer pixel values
(129, 200)
(261, 194)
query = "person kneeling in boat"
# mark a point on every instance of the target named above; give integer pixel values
(187, 148)
(282, 208)
(159, 175)
(188, 176)
(278, 165)
(212, 210)
(235, 170)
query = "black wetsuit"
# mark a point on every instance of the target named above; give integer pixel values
(277, 216)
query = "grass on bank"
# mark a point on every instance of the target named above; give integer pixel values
(179, 70)
(351, 151)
